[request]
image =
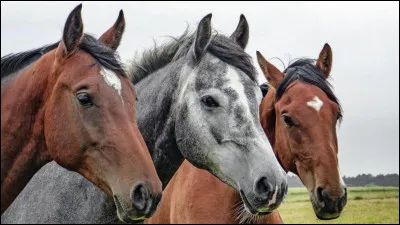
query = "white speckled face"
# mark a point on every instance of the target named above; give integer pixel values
(112, 80)
(316, 103)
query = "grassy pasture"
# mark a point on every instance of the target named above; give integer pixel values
(364, 205)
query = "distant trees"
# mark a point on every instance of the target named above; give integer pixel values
(358, 181)
(369, 180)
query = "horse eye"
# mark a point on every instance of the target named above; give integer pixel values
(85, 99)
(289, 122)
(209, 101)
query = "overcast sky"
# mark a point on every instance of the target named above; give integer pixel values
(364, 37)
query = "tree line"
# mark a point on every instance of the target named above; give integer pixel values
(360, 180)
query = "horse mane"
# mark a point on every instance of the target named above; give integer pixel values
(220, 46)
(13, 62)
(304, 69)
(106, 57)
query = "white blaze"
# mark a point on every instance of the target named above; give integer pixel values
(316, 103)
(112, 80)
(237, 85)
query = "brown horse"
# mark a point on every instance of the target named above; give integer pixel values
(299, 116)
(73, 103)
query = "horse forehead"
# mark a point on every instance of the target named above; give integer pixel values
(315, 103)
(309, 95)
(211, 74)
(112, 80)
(247, 97)
(238, 81)
(316, 99)
(214, 73)
(100, 74)
(80, 57)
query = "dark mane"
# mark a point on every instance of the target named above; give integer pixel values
(13, 62)
(304, 70)
(220, 46)
(106, 57)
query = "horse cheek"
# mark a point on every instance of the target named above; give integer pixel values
(62, 137)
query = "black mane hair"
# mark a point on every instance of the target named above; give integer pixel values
(220, 46)
(106, 57)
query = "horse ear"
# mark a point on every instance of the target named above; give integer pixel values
(73, 31)
(271, 73)
(203, 36)
(241, 34)
(324, 62)
(112, 37)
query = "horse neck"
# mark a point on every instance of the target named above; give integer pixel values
(22, 137)
(157, 94)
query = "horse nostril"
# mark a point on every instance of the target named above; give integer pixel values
(323, 195)
(263, 188)
(140, 196)
(319, 193)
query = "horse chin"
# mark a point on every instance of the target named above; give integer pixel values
(318, 210)
(250, 209)
(246, 214)
(123, 214)
(328, 216)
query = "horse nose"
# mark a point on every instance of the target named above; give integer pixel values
(321, 194)
(143, 201)
(324, 195)
(340, 201)
(266, 192)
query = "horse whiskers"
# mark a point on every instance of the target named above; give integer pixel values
(240, 213)
(242, 216)
(237, 205)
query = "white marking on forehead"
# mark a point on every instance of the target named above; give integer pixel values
(237, 85)
(112, 80)
(316, 103)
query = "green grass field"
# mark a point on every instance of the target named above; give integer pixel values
(364, 205)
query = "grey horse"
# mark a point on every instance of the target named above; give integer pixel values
(198, 100)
